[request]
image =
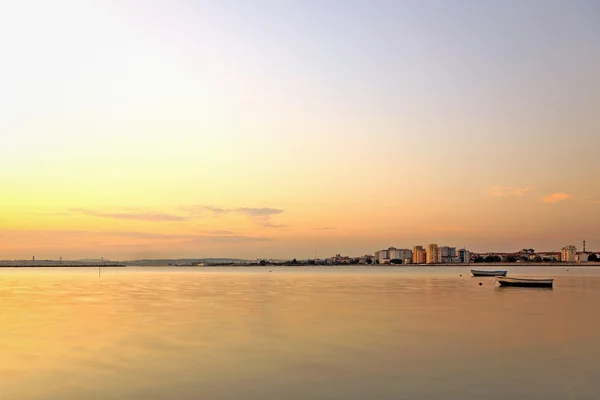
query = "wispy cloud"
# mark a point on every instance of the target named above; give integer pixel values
(187, 238)
(258, 212)
(218, 232)
(132, 215)
(502, 191)
(327, 228)
(250, 211)
(556, 197)
(228, 239)
(215, 210)
(261, 216)
(148, 237)
(140, 235)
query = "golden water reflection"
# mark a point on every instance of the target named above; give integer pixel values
(256, 334)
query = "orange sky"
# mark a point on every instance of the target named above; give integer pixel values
(131, 131)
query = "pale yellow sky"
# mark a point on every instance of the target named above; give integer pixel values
(174, 130)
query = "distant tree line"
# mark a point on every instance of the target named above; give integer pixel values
(513, 258)
(487, 259)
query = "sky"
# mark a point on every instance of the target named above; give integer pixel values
(277, 129)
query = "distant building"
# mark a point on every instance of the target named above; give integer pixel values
(385, 256)
(337, 259)
(432, 254)
(568, 253)
(399, 254)
(446, 255)
(419, 255)
(463, 256)
(550, 256)
(581, 257)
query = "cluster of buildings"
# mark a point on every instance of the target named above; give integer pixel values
(435, 254)
(570, 254)
(432, 254)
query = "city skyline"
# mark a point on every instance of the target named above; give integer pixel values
(442, 254)
(274, 129)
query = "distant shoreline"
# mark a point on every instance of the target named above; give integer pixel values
(64, 266)
(399, 266)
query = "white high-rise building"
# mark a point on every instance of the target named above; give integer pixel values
(399, 254)
(568, 253)
(385, 256)
(382, 256)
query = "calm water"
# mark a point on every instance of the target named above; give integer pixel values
(329, 333)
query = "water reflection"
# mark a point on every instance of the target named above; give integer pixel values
(295, 334)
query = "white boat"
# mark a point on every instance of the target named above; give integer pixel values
(525, 282)
(477, 272)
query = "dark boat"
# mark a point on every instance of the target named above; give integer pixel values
(477, 272)
(525, 282)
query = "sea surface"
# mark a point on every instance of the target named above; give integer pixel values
(297, 333)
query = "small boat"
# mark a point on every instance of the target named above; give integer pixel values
(477, 272)
(525, 282)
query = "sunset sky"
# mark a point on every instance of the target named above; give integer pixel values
(139, 129)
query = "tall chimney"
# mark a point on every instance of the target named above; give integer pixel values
(584, 246)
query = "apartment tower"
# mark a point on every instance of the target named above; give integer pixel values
(432, 254)
(419, 255)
